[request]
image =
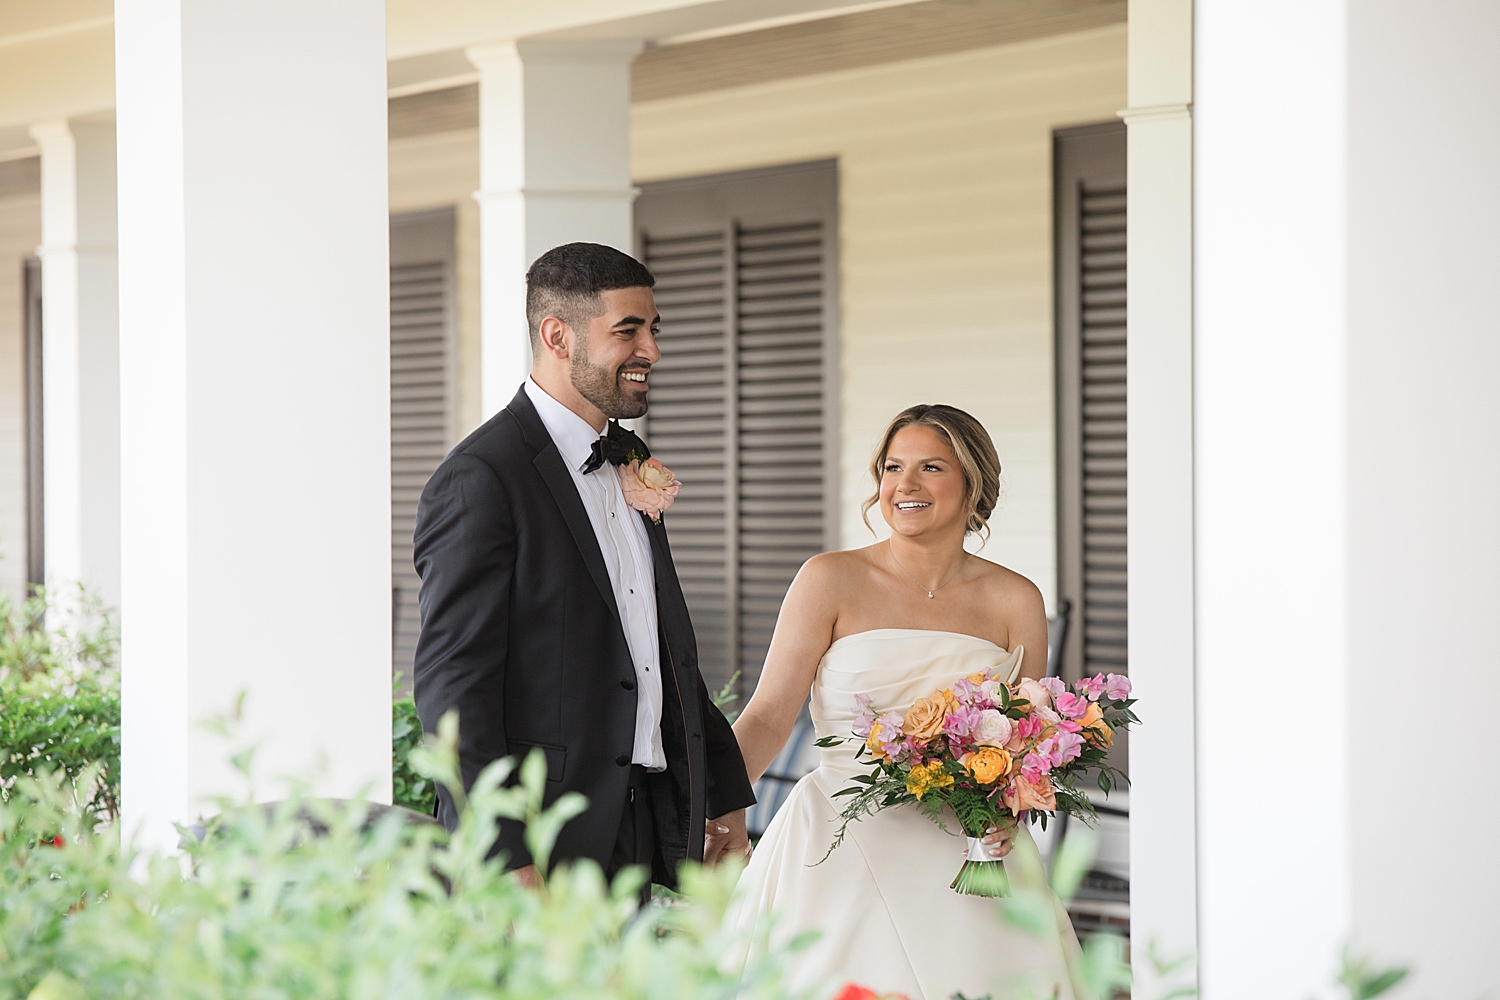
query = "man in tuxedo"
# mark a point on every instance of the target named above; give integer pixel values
(552, 617)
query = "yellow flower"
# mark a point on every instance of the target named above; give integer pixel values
(873, 741)
(987, 764)
(923, 778)
(978, 677)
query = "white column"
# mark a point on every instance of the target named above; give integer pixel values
(1272, 508)
(1423, 433)
(254, 397)
(1348, 349)
(554, 167)
(80, 356)
(1163, 842)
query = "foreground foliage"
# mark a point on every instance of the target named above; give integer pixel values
(269, 905)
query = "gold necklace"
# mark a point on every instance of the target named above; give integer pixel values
(933, 592)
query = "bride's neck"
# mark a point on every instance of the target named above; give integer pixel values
(929, 559)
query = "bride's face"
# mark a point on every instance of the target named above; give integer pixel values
(921, 484)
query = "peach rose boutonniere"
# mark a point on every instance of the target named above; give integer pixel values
(649, 487)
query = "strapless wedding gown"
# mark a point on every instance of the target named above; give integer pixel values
(880, 903)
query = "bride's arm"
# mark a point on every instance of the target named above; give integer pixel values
(804, 631)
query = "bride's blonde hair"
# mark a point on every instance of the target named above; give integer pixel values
(972, 447)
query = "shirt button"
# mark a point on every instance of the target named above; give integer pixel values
(623, 760)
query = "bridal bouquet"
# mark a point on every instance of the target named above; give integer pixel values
(989, 749)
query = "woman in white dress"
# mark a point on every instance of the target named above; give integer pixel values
(897, 620)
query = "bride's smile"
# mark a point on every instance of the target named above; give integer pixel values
(922, 488)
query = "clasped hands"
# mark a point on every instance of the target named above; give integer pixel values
(725, 836)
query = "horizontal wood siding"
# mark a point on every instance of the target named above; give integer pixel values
(945, 238)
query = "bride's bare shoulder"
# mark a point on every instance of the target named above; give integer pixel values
(837, 569)
(1005, 588)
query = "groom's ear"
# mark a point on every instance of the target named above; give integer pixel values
(554, 338)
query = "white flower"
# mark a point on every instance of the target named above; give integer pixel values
(993, 728)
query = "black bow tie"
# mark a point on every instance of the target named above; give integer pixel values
(615, 447)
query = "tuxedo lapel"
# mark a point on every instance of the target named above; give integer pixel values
(549, 465)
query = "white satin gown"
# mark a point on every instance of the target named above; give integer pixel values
(880, 903)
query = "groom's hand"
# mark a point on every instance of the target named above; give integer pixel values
(725, 835)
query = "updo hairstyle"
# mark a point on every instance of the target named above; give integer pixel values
(972, 447)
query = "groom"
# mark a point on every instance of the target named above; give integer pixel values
(551, 613)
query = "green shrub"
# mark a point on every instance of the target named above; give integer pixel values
(60, 695)
(409, 788)
(273, 907)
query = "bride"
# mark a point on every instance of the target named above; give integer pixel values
(897, 620)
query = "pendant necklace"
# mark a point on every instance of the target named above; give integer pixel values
(933, 592)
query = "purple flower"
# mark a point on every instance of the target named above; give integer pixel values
(1117, 686)
(966, 692)
(1072, 706)
(961, 723)
(864, 716)
(892, 743)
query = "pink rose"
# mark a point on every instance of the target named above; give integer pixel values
(1029, 793)
(1117, 686)
(1071, 706)
(649, 487)
(1035, 693)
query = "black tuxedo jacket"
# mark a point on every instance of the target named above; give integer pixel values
(520, 633)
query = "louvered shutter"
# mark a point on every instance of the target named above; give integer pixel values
(741, 400)
(421, 398)
(1091, 272)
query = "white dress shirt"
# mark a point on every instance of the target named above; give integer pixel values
(627, 555)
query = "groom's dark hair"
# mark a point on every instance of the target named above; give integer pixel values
(566, 281)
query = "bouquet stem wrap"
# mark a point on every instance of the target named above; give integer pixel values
(981, 874)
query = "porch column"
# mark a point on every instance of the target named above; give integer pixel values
(254, 398)
(554, 167)
(1347, 353)
(1163, 842)
(80, 357)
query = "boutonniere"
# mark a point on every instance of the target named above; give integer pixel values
(649, 486)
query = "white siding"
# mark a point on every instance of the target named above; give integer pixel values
(946, 238)
(20, 232)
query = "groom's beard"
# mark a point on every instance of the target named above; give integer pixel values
(605, 387)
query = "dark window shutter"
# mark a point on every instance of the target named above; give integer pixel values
(742, 401)
(1091, 373)
(422, 324)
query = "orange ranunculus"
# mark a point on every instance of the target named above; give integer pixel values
(1095, 729)
(924, 720)
(987, 764)
(1023, 795)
